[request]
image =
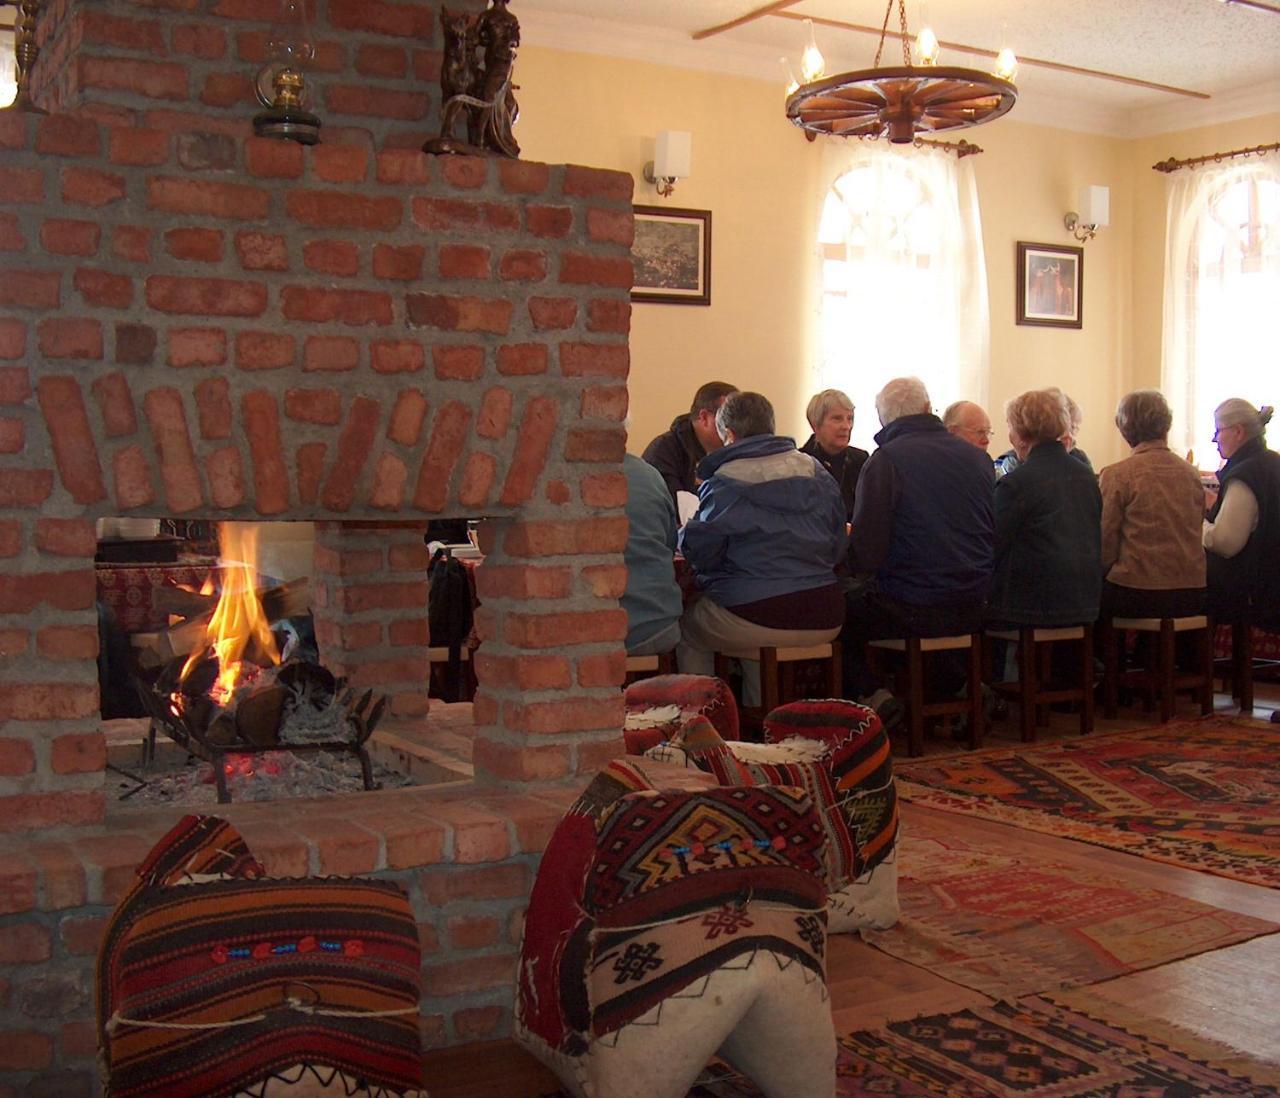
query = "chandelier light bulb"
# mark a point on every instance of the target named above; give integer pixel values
(1006, 64)
(928, 47)
(8, 70)
(813, 65)
(792, 83)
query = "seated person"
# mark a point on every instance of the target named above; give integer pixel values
(968, 421)
(1152, 506)
(830, 414)
(763, 546)
(652, 599)
(676, 452)
(921, 549)
(1008, 461)
(1242, 531)
(1048, 523)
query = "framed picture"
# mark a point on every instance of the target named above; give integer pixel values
(1050, 285)
(672, 256)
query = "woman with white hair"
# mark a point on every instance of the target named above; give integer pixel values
(830, 414)
(1242, 528)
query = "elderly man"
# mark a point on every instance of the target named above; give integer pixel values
(676, 452)
(922, 550)
(652, 599)
(763, 546)
(968, 421)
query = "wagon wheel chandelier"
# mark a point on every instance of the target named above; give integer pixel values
(900, 103)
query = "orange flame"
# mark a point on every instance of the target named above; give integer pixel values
(238, 622)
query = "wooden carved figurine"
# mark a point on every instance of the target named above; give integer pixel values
(475, 82)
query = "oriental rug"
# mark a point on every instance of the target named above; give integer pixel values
(1032, 1048)
(1202, 794)
(1008, 924)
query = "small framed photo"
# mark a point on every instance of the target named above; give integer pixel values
(1050, 285)
(672, 256)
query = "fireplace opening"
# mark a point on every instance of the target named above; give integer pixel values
(213, 684)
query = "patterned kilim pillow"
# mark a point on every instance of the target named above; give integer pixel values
(658, 706)
(839, 753)
(214, 979)
(666, 927)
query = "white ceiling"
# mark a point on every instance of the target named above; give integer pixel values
(1227, 50)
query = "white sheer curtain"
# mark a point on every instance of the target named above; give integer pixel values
(1221, 293)
(902, 275)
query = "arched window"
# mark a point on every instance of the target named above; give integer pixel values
(1222, 288)
(903, 281)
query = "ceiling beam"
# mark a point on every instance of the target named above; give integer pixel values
(750, 17)
(1035, 62)
(1259, 5)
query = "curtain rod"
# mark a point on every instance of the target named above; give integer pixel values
(961, 148)
(1173, 165)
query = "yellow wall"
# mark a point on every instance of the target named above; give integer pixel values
(760, 179)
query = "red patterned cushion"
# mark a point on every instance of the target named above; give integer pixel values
(692, 695)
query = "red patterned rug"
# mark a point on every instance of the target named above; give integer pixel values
(992, 918)
(1201, 794)
(1070, 1047)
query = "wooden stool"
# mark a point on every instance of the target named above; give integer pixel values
(645, 667)
(1029, 690)
(917, 709)
(1164, 679)
(777, 672)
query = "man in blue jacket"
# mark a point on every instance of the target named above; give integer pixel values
(763, 546)
(923, 544)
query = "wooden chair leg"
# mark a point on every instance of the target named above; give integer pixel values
(1204, 661)
(835, 671)
(915, 698)
(1027, 684)
(1045, 678)
(1110, 669)
(768, 681)
(977, 715)
(1086, 681)
(1166, 669)
(1244, 664)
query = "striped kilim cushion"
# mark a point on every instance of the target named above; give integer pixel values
(214, 978)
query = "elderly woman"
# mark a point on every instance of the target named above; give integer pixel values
(1048, 523)
(1009, 460)
(830, 414)
(1152, 505)
(1242, 530)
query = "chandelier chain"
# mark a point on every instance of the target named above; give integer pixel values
(884, 33)
(884, 27)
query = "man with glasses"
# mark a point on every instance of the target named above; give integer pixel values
(968, 421)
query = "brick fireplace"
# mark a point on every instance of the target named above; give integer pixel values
(197, 323)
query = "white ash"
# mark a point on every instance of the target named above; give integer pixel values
(269, 776)
(307, 724)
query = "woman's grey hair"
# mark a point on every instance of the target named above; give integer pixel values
(1236, 410)
(903, 396)
(1143, 416)
(746, 415)
(822, 404)
(1039, 415)
(1073, 410)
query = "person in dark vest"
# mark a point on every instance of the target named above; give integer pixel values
(1242, 530)
(922, 547)
(676, 452)
(830, 414)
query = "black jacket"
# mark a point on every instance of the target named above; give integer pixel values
(1048, 542)
(1247, 586)
(844, 466)
(675, 454)
(922, 522)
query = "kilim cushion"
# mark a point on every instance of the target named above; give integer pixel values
(838, 752)
(657, 707)
(214, 979)
(666, 927)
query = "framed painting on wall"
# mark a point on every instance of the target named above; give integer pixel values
(1050, 285)
(672, 256)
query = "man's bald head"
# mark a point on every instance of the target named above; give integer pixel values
(969, 422)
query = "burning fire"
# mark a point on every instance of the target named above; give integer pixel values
(238, 625)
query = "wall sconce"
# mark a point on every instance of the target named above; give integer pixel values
(672, 158)
(20, 43)
(281, 85)
(1095, 213)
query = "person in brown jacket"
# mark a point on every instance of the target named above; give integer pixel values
(1152, 506)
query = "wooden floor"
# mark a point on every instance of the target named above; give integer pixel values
(1230, 995)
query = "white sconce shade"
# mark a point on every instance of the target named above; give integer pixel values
(673, 154)
(1095, 206)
